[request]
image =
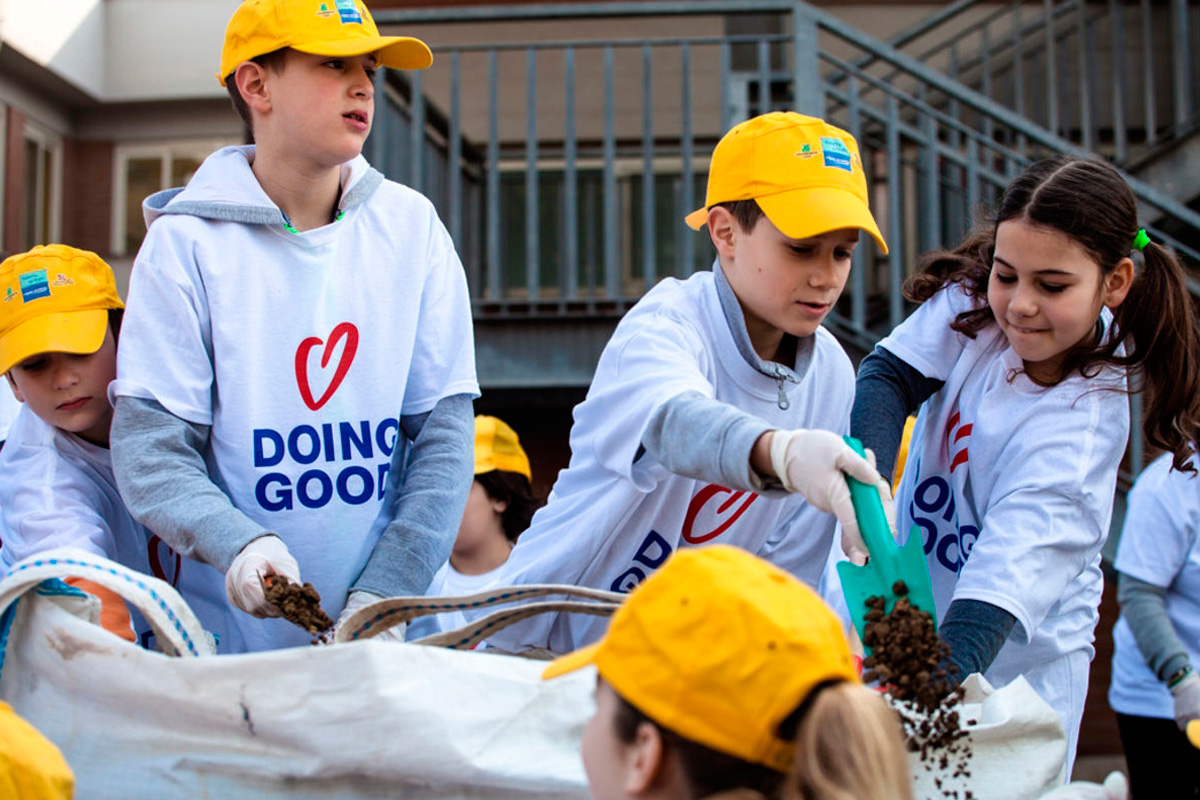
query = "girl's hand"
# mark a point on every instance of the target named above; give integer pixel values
(1187, 700)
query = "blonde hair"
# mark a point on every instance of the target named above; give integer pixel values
(849, 748)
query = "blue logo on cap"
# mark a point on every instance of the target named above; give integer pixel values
(348, 11)
(836, 153)
(34, 285)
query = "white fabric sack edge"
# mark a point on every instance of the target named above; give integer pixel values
(359, 720)
(377, 617)
(1008, 727)
(172, 620)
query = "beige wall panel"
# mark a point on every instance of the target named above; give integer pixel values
(134, 122)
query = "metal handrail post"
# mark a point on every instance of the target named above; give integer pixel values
(806, 66)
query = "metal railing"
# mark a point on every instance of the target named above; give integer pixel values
(564, 152)
(1112, 76)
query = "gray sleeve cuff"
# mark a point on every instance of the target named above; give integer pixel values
(886, 391)
(432, 477)
(1145, 608)
(703, 438)
(975, 631)
(159, 465)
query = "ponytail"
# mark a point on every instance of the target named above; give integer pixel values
(1089, 201)
(1157, 325)
(848, 747)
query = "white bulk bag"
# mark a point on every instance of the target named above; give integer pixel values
(364, 719)
(1019, 749)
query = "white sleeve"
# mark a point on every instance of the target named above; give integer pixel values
(46, 503)
(925, 340)
(650, 359)
(9, 407)
(165, 349)
(1161, 520)
(1046, 517)
(443, 360)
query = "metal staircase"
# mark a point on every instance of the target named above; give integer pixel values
(563, 143)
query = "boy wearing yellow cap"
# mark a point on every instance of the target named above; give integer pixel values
(294, 395)
(715, 411)
(59, 320)
(499, 507)
(722, 673)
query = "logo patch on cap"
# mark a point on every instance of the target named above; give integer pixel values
(836, 153)
(34, 285)
(62, 280)
(9, 294)
(348, 11)
(323, 10)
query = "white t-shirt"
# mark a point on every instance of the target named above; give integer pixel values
(300, 351)
(1159, 545)
(9, 407)
(613, 517)
(1012, 487)
(57, 490)
(449, 582)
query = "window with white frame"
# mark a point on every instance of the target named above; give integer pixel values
(143, 169)
(40, 187)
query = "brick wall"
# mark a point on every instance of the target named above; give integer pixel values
(87, 195)
(1098, 733)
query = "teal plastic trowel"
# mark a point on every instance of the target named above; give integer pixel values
(888, 563)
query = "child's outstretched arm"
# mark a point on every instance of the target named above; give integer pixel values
(160, 470)
(886, 392)
(750, 455)
(430, 495)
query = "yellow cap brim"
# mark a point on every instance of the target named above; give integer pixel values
(572, 661)
(79, 332)
(396, 52)
(802, 213)
(697, 218)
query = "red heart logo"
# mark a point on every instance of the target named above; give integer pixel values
(345, 331)
(701, 499)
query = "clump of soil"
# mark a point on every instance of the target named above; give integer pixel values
(909, 660)
(298, 604)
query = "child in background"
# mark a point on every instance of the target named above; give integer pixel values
(722, 673)
(499, 507)
(716, 407)
(1156, 644)
(1030, 336)
(59, 321)
(294, 394)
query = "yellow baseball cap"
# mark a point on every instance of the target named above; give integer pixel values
(497, 447)
(319, 27)
(805, 174)
(720, 647)
(31, 767)
(54, 299)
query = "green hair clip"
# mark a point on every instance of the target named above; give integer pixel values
(1141, 240)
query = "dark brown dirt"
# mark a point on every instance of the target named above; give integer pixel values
(908, 660)
(299, 604)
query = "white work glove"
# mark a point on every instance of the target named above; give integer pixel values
(266, 555)
(1187, 700)
(359, 599)
(815, 464)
